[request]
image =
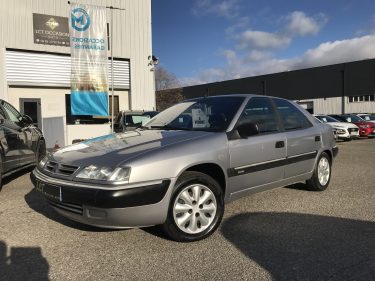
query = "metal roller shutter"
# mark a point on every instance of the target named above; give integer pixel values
(53, 70)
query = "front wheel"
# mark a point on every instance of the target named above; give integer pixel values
(322, 174)
(196, 208)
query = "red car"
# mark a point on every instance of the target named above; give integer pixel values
(366, 129)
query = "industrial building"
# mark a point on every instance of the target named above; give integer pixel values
(35, 64)
(340, 88)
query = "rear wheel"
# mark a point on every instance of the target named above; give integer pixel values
(196, 208)
(322, 174)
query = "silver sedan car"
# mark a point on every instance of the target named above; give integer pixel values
(186, 163)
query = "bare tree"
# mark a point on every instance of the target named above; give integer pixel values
(167, 98)
(164, 79)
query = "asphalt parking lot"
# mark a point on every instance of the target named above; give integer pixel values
(283, 234)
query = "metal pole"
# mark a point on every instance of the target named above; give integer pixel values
(112, 78)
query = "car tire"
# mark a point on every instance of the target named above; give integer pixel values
(196, 208)
(40, 151)
(322, 174)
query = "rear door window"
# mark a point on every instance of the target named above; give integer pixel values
(292, 118)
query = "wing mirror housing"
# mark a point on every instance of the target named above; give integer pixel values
(27, 119)
(247, 129)
(243, 130)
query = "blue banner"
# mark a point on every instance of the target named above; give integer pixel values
(89, 103)
(88, 44)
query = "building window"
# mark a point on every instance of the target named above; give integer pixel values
(89, 119)
(362, 98)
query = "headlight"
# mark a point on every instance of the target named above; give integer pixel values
(43, 162)
(104, 173)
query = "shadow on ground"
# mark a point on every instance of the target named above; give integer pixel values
(36, 202)
(305, 247)
(22, 263)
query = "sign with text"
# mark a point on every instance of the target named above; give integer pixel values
(88, 44)
(51, 30)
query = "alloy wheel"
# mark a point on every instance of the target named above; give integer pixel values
(323, 171)
(194, 208)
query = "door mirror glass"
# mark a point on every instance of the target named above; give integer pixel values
(247, 129)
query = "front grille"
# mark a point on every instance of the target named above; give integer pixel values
(353, 130)
(69, 207)
(58, 168)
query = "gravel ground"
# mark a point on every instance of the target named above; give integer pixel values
(283, 234)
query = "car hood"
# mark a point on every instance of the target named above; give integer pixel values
(364, 123)
(114, 149)
(342, 125)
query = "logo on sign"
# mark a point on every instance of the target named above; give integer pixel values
(80, 19)
(51, 23)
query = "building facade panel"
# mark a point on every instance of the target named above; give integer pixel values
(340, 88)
(132, 47)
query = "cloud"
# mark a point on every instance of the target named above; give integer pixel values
(327, 53)
(296, 24)
(299, 24)
(224, 8)
(257, 55)
(260, 39)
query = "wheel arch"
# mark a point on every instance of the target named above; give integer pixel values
(213, 170)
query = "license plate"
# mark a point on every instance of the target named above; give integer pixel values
(52, 192)
(353, 133)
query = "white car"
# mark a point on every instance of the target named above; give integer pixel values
(344, 131)
(367, 117)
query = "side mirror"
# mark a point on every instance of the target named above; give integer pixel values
(247, 129)
(27, 119)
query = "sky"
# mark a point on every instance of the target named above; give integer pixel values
(202, 41)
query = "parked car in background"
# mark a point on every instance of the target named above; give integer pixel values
(344, 130)
(21, 143)
(179, 173)
(130, 120)
(366, 129)
(367, 117)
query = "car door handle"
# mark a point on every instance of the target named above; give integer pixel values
(280, 144)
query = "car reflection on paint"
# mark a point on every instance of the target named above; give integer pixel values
(21, 143)
(180, 168)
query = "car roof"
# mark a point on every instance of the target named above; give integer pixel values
(237, 95)
(139, 111)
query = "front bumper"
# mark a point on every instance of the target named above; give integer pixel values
(367, 132)
(123, 207)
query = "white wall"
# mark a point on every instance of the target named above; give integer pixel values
(53, 105)
(132, 38)
(86, 131)
(327, 106)
(333, 106)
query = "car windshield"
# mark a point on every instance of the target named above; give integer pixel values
(327, 119)
(353, 118)
(367, 117)
(206, 114)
